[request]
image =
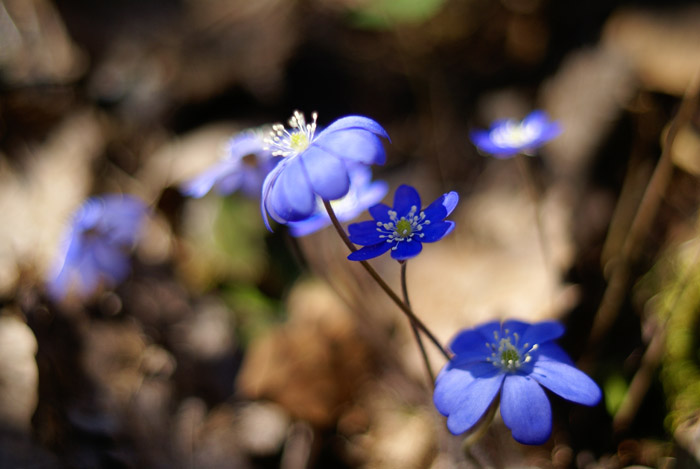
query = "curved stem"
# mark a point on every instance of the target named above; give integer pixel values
(416, 333)
(536, 198)
(382, 284)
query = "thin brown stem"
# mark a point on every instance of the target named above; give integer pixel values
(382, 284)
(536, 198)
(416, 333)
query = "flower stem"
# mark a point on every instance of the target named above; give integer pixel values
(536, 197)
(416, 333)
(382, 284)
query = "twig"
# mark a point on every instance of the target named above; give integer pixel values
(416, 333)
(384, 286)
(646, 213)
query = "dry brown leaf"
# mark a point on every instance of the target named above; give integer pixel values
(19, 376)
(662, 46)
(312, 365)
(36, 47)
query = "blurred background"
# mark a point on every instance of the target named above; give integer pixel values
(233, 347)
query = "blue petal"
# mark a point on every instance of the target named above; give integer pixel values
(365, 233)
(489, 330)
(551, 351)
(405, 197)
(442, 207)
(566, 381)
(537, 118)
(547, 133)
(449, 201)
(268, 183)
(231, 181)
(436, 231)
(369, 252)
(356, 122)
(310, 225)
(470, 343)
(291, 197)
(406, 250)
(353, 145)
(452, 384)
(200, 185)
(110, 260)
(327, 174)
(64, 267)
(513, 326)
(246, 143)
(88, 276)
(542, 332)
(121, 217)
(473, 403)
(380, 212)
(525, 410)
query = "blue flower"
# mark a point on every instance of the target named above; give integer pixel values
(95, 245)
(363, 193)
(245, 166)
(517, 360)
(508, 137)
(316, 165)
(403, 228)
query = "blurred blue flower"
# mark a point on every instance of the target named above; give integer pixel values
(244, 168)
(517, 360)
(316, 165)
(363, 193)
(508, 137)
(95, 247)
(403, 228)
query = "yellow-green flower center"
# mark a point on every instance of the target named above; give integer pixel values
(514, 133)
(510, 355)
(298, 141)
(506, 352)
(404, 228)
(283, 142)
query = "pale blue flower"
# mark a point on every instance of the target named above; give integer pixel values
(508, 137)
(363, 194)
(516, 360)
(95, 247)
(245, 166)
(316, 165)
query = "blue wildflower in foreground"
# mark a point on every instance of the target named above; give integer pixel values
(404, 228)
(244, 168)
(363, 193)
(517, 360)
(507, 137)
(95, 246)
(316, 165)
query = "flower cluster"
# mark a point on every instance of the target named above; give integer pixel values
(296, 171)
(404, 228)
(508, 137)
(95, 245)
(516, 360)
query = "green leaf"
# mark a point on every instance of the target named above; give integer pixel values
(385, 14)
